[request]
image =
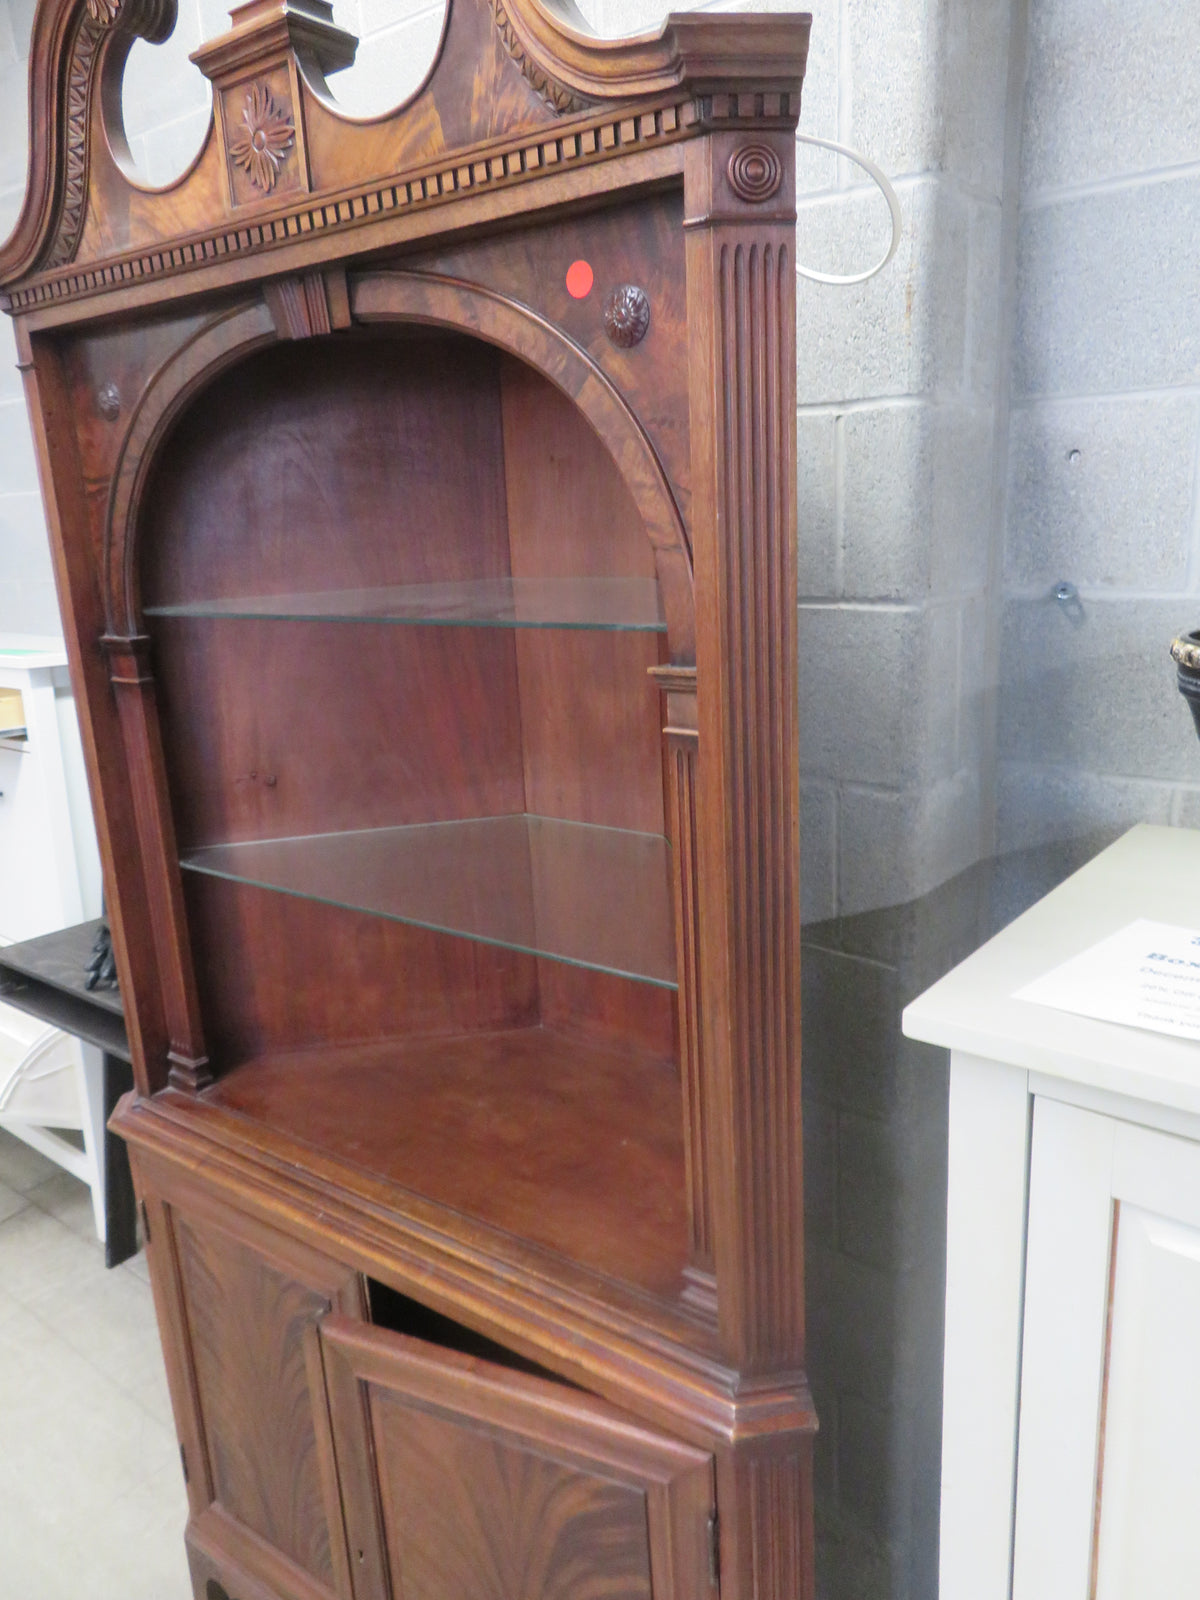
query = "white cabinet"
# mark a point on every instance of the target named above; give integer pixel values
(49, 879)
(49, 866)
(1072, 1386)
(1110, 1392)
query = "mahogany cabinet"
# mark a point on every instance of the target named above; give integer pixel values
(422, 494)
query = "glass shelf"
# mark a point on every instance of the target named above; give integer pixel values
(593, 897)
(624, 604)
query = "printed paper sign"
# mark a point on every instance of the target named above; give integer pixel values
(1147, 976)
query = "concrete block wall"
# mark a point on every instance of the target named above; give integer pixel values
(1103, 490)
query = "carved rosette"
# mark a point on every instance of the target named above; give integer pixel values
(556, 95)
(755, 173)
(260, 142)
(627, 315)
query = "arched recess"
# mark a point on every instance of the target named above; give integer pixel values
(229, 337)
(436, 301)
(450, 303)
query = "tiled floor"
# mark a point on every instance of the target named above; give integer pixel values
(92, 1504)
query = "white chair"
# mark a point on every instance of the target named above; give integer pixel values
(49, 879)
(50, 1083)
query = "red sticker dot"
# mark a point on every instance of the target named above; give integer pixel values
(579, 280)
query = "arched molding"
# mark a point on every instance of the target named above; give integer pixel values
(552, 37)
(467, 308)
(419, 298)
(70, 41)
(218, 344)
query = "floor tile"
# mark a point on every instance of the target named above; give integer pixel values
(11, 1201)
(20, 1167)
(90, 1483)
(67, 1198)
(39, 1255)
(138, 1266)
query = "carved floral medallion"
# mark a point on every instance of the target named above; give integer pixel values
(104, 11)
(627, 315)
(259, 143)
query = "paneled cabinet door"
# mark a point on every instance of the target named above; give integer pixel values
(1108, 1474)
(464, 1479)
(238, 1300)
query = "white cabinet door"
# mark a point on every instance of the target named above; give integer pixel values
(1108, 1472)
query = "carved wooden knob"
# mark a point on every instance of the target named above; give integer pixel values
(755, 172)
(627, 315)
(108, 401)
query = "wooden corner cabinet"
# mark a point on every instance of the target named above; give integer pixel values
(422, 494)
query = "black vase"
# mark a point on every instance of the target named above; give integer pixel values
(1186, 653)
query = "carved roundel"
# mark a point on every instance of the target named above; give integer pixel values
(627, 315)
(755, 172)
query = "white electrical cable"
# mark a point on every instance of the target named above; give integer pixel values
(889, 194)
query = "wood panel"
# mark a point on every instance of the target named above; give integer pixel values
(639, 1018)
(336, 462)
(591, 741)
(741, 281)
(572, 1146)
(245, 1314)
(263, 960)
(589, 715)
(495, 1484)
(639, 243)
(547, 1533)
(279, 729)
(134, 691)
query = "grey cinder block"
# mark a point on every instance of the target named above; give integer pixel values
(1100, 493)
(818, 844)
(1108, 292)
(18, 464)
(901, 333)
(896, 112)
(876, 693)
(1040, 805)
(895, 845)
(1097, 695)
(1110, 90)
(816, 504)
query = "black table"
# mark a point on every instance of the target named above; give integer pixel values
(46, 977)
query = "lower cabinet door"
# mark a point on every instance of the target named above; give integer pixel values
(464, 1480)
(239, 1305)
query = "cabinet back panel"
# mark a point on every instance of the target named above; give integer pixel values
(591, 728)
(332, 463)
(607, 1010)
(278, 729)
(280, 973)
